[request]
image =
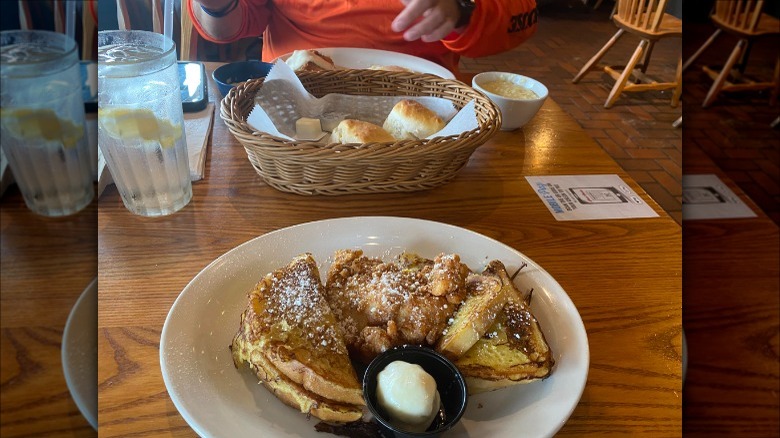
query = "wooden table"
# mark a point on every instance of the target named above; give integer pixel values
(46, 264)
(731, 320)
(623, 275)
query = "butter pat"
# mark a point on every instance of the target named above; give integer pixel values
(408, 395)
(308, 129)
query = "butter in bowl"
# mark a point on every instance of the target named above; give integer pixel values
(518, 97)
(433, 382)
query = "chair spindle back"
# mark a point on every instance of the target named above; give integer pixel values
(26, 18)
(642, 14)
(186, 44)
(740, 14)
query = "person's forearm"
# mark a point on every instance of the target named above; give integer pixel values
(219, 27)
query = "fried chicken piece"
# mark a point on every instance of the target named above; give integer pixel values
(422, 319)
(381, 305)
(448, 278)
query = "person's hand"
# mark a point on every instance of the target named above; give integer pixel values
(438, 19)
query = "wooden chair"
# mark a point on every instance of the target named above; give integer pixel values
(89, 30)
(88, 22)
(647, 20)
(598, 5)
(26, 21)
(746, 20)
(189, 37)
(187, 45)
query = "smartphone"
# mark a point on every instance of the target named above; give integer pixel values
(194, 92)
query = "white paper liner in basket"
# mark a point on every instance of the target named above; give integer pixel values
(282, 100)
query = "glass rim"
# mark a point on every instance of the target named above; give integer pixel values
(69, 47)
(165, 50)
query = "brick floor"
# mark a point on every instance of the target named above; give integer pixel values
(735, 131)
(637, 131)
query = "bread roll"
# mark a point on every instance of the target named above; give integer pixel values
(309, 60)
(410, 120)
(357, 131)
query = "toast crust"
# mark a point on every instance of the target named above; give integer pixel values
(512, 351)
(292, 394)
(290, 324)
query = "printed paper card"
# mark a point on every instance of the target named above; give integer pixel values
(707, 197)
(588, 197)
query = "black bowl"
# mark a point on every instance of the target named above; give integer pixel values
(228, 75)
(449, 383)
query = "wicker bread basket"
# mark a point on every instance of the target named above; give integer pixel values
(309, 168)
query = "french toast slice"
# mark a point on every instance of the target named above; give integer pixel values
(513, 349)
(474, 316)
(291, 339)
(290, 393)
(512, 352)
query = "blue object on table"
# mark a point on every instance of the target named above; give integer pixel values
(234, 73)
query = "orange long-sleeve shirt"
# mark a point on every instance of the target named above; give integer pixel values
(288, 25)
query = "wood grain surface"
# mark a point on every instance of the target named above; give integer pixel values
(624, 276)
(732, 320)
(46, 264)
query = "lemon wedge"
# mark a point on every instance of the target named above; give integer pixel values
(138, 124)
(40, 124)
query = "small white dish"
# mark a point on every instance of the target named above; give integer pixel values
(79, 353)
(217, 400)
(515, 113)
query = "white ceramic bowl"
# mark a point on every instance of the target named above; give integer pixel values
(515, 113)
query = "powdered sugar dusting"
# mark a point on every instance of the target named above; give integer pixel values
(294, 306)
(381, 304)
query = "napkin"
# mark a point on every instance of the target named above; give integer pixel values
(197, 130)
(197, 127)
(283, 99)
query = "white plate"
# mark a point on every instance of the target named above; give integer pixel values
(349, 57)
(218, 400)
(79, 353)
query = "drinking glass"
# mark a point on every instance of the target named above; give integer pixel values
(140, 121)
(42, 121)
